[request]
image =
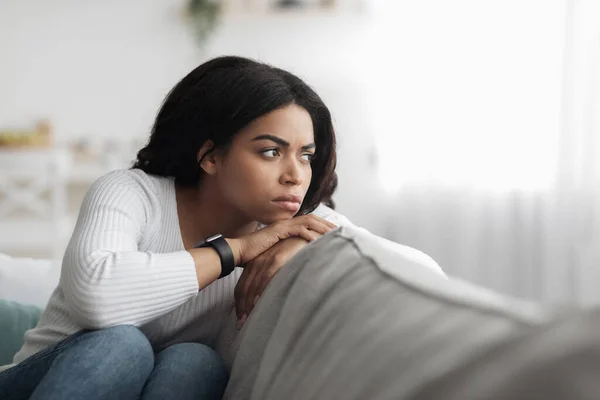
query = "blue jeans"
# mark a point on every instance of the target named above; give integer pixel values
(116, 363)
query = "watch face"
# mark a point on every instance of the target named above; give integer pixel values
(213, 237)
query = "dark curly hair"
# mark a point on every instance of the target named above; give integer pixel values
(217, 100)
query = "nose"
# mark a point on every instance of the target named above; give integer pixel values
(292, 174)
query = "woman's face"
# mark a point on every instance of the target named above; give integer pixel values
(266, 171)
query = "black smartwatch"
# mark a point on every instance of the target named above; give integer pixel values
(221, 246)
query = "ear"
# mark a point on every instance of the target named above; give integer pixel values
(207, 158)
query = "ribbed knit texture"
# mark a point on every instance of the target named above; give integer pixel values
(126, 264)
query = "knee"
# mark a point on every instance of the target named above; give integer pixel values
(195, 357)
(127, 338)
(125, 346)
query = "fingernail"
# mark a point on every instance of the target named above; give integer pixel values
(241, 321)
(255, 300)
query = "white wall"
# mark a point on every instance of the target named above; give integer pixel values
(463, 94)
(100, 68)
(328, 51)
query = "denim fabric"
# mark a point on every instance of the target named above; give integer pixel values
(116, 363)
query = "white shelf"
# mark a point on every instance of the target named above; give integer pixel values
(33, 200)
(261, 10)
(87, 173)
(25, 163)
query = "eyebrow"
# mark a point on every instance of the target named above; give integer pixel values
(281, 142)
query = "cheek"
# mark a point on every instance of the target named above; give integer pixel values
(247, 180)
(307, 179)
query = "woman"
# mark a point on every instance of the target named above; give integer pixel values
(241, 154)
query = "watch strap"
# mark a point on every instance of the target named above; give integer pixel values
(222, 248)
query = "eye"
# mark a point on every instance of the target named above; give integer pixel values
(308, 156)
(270, 153)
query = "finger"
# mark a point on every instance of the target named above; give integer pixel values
(264, 282)
(324, 221)
(242, 321)
(249, 288)
(298, 226)
(242, 288)
(307, 234)
(318, 225)
(239, 292)
(252, 291)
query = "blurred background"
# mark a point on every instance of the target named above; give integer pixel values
(468, 129)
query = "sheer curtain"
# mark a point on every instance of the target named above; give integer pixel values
(487, 115)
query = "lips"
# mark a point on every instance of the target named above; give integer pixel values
(288, 202)
(294, 198)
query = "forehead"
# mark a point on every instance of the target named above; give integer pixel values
(291, 123)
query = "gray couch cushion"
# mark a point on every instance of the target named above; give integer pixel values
(559, 360)
(353, 318)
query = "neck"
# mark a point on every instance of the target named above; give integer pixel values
(203, 212)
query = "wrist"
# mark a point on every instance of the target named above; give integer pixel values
(236, 248)
(207, 264)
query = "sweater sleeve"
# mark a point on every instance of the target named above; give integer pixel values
(105, 279)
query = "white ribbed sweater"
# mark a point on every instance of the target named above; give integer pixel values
(126, 264)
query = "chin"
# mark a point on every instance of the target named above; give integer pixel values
(269, 218)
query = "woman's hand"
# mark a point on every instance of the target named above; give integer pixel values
(308, 227)
(259, 272)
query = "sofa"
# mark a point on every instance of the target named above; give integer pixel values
(25, 287)
(354, 316)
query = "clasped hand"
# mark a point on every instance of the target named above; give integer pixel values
(259, 271)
